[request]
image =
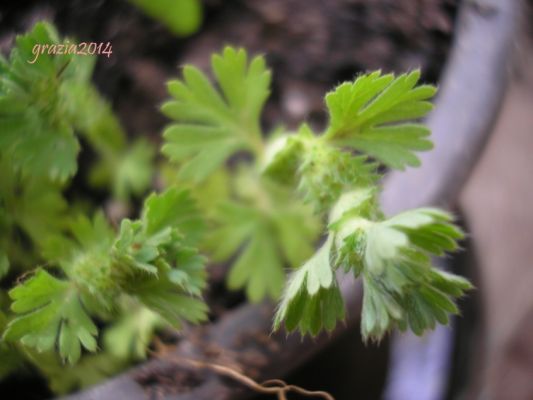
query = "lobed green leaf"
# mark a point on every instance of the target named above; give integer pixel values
(211, 126)
(374, 113)
(52, 315)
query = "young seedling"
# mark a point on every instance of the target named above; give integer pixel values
(372, 120)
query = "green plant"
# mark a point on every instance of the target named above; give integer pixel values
(83, 286)
(276, 185)
(89, 272)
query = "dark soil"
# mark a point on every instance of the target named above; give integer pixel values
(168, 380)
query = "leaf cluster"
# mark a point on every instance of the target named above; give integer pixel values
(370, 122)
(148, 260)
(82, 282)
(47, 104)
(373, 121)
(260, 226)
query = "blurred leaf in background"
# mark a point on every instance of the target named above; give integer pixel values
(181, 17)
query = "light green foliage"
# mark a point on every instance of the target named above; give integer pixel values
(53, 313)
(259, 265)
(312, 300)
(259, 225)
(323, 186)
(374, 113)
(269, 227)
(320, 169)
(29, 207)
(134, 170)
(149, 260)
(89, 276)
(256, 225)
(393, 256)
(182, 17)
(45, 103)
(130, 336)
(33, 132)
(401, 287)
(154, 246)
(211, 125)
(372, 118)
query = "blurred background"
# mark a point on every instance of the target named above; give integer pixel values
(312, 45)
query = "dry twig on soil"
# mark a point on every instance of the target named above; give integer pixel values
(273, 386)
